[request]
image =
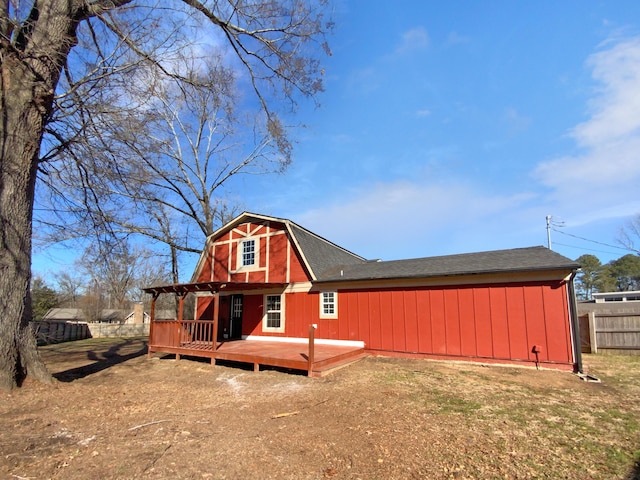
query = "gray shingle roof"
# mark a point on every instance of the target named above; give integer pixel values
(322, 255)
(514, 260)
(328, 262)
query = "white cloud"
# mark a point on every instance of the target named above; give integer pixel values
(364, 81)
(410, 219)
(606, 171)
(414, 39)
(454, 38)
(515, 121)
(615, 110)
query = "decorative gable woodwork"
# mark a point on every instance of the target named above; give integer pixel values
(276, 257)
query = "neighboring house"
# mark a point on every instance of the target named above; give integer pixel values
(610, 323)
(164, 314)
(106, 315)
(628, 296)
(64, 315)
(261, 276)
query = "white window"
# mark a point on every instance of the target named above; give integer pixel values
(273, 320)
(328, 305)
(248, 253)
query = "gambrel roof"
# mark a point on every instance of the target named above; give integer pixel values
(498, 261)
(318, 254)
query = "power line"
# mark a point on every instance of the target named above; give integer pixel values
(626, 249)
(583, 248)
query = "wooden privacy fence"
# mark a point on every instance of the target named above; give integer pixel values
(52, 331)
(56, 332)
(610, 332)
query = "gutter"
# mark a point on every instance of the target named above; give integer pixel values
(575, 325)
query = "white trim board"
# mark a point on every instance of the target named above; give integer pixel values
(319, 341)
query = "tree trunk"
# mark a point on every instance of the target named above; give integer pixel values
(21, 133)
(30, 68)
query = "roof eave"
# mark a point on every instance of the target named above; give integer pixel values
(345, 279)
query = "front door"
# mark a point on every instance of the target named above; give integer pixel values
(235, 325)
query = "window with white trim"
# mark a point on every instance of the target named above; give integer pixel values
(248, 254)
(273, 314)
(328, 304)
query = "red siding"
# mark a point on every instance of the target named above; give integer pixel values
(425, 343)
(484, 329)
(437, 320)
(386, 320)
(536, 330)
(205, 274)
(252, 310)
(500, 322)
(411, 319)
(467, 323)
(452, 321)
(375, 320)
(275, 255)
(555, 308)
(204, 308)
(278, 258)
(518, 341)
(296, 268)
(492, 321)
(221, 263)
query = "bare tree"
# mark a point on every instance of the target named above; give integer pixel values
(192, 143)
(63, 62)
(111, 267)
(70, 287)
(629, 235)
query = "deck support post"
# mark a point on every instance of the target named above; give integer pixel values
(312, 334)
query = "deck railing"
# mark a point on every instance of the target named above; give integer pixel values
(187, 334)
(196, 337)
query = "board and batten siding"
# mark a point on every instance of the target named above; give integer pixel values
(493, 322)
(278, 261)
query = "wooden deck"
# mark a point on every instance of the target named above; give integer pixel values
(295, 356)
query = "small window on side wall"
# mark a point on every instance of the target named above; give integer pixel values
(328, 304)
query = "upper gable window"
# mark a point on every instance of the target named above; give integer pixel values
(248, 254)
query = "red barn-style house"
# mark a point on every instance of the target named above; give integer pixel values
(271, 292)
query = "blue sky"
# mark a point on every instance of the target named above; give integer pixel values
(453, 127)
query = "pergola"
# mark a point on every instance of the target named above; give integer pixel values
(182, 289)
(199, 337)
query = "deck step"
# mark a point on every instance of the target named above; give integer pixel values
(328, 367)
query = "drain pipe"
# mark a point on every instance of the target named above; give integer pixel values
(575, 324)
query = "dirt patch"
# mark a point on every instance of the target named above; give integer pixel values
(115, 414)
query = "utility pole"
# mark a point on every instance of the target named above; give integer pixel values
(549, 231)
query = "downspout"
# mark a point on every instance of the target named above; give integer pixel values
(575, 324)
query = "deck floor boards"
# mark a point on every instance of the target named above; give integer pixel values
(272, 353)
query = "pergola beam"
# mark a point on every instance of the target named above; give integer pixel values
(214, 287)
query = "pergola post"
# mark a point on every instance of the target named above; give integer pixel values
(216, 310)
(179, 322)
(152, 320)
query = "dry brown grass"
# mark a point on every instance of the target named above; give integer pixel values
(117, 415)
